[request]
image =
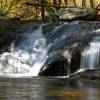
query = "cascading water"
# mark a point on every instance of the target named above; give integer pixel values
(31, 50)
(26, 57)
(91, 57)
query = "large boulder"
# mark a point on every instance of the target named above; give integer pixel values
(58, 66)
(77, 13)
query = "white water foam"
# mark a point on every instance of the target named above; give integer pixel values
(90, 57)
(26, 59)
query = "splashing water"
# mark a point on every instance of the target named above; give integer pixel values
(26, 57)
(90, 57)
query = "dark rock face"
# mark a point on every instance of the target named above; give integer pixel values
(75, 60)
(64, 36)
(56, 67)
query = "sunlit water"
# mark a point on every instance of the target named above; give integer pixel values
(48, 89)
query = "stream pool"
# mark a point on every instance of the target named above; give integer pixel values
(46, 88)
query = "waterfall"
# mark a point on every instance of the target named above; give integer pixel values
(26, 57)
(33, 50)
(91, 56)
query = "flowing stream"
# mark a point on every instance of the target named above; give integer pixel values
(30, 51)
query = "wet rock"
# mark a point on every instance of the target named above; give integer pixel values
(76, 58)
(49, 27)
(67, 54)
(77, 13)
(92, 74)
(56, 67)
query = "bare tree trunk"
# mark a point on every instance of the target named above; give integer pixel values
(42, 10)
(59, 2)
(75, 3)
(54, 2)
(91, 4)
(83, 3)
(66, 2)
